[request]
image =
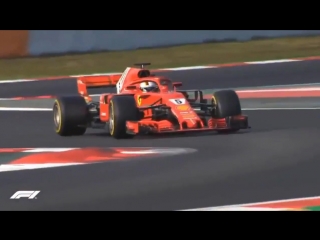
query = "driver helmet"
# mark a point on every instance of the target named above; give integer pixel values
(148, 86)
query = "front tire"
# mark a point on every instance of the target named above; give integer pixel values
(70, 116)
(121, 110)
(227, 104)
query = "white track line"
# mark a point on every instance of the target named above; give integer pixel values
(17, 81)
(274, 61)
(279, 86)
(17, 167)
(24, 109)
(187, 68)
(265, 109)
(279, 90)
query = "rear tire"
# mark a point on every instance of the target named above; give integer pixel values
(70, 115)
(121, 110)
(227, 103)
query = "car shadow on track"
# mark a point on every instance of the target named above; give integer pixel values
(171, 135)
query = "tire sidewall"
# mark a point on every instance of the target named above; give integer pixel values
(59, 127)
(112, 129)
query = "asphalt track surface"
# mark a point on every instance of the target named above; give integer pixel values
(276, 159)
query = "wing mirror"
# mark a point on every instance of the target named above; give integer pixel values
(177, 84)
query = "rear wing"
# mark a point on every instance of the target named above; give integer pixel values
(86, 82)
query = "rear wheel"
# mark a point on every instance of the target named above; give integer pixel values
(70, 115)
(227, 103)
(121, 110)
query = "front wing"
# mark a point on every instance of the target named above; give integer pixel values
(165, 126)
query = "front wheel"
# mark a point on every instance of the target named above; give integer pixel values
(227, 104)
(121, 110)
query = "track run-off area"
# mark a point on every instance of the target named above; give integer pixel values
(276, 159)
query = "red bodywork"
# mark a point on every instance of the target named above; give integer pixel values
(128, 83)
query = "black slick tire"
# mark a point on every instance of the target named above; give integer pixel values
(227, 103)
(70, 115)
(122, 109)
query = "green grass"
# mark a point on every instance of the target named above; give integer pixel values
(187, 55)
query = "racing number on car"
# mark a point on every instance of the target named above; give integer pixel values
(178, 101)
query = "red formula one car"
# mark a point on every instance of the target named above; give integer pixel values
(135, 110)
